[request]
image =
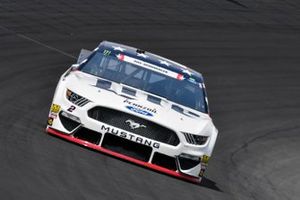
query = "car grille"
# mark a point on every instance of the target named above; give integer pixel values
(126, 147)
(164, 161)
(68, 123)
(122, 120)
(186, 163)
(88, 135)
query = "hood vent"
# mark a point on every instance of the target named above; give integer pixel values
(194, 114)
(154, 99)
(129, 91)
(182, 111)
(103, 84)
(177, 108)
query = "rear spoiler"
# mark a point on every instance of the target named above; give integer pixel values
(83, 55)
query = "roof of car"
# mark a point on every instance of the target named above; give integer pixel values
(151, 58)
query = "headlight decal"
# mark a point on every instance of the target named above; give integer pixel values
(195, 139)
(76, 99)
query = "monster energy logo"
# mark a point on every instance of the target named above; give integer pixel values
(106, 52)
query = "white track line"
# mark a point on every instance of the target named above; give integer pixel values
(38, 42)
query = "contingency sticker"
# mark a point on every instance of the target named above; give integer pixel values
(205, 159)
(55, 108)
(50, 121)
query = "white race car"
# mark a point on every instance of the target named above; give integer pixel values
(136, 106)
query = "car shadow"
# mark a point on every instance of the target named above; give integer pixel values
(205, 182)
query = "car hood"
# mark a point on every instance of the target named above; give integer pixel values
(186, 120)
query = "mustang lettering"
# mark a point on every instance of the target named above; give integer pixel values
(129, 136)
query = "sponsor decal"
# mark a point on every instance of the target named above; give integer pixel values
(55, 108)
(205, 159)
(71, 108)
(50, 121)
(144, 110)
(139, 111)
(149, 66)
(134, 125)
(129, 136)
(53, 115)
(201, 172)
(106, 52)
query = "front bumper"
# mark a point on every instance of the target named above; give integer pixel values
(118, 155)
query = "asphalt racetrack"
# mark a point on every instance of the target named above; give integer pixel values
(248, 52)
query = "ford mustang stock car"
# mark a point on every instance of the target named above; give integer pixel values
(136, 106)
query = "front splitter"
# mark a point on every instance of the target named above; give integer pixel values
(121, 156)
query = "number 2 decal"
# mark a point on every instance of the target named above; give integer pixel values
(71, 108)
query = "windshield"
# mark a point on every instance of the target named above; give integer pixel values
(185, 92)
